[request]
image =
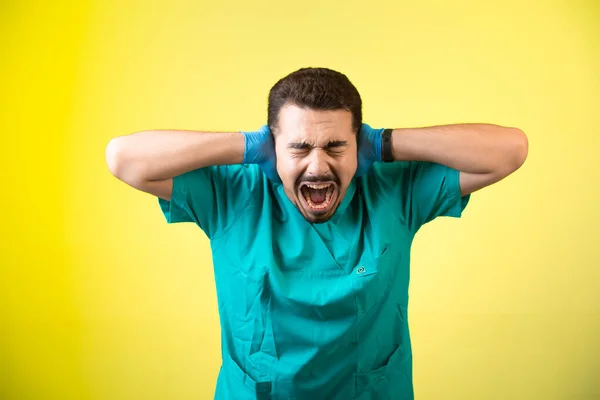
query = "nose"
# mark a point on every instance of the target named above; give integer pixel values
(318, 163)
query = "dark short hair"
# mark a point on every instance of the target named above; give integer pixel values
(317, 89)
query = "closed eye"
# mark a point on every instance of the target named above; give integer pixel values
(299, 146)
(336, 147)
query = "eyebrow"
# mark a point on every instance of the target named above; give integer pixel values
(306, 145)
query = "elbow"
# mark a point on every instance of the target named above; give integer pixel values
(520, 148)
(514, 153)
(113, 155)
(123, 163)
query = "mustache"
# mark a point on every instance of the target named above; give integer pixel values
(316, 179)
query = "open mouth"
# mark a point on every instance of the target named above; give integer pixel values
(318, 197)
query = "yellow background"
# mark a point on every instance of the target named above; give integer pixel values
(101, 299)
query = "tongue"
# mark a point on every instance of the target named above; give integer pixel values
(317, 196)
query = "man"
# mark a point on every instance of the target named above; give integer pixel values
(311, 220)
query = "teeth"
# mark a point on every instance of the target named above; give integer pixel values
(318, 185)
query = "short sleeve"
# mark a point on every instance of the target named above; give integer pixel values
(211, 197)
(420, 191)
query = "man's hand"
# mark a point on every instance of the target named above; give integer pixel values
(369, 148)
(260, 149)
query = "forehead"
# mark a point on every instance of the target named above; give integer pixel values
(304, 124)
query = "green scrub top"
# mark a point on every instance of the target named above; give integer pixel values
(314, 311)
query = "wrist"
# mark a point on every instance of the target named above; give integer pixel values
(254, 146)
(387, 147)
(250, 153)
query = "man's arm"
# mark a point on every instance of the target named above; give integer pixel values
(149, 160)
(483, 153)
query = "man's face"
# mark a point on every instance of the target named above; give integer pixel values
(316, 158)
